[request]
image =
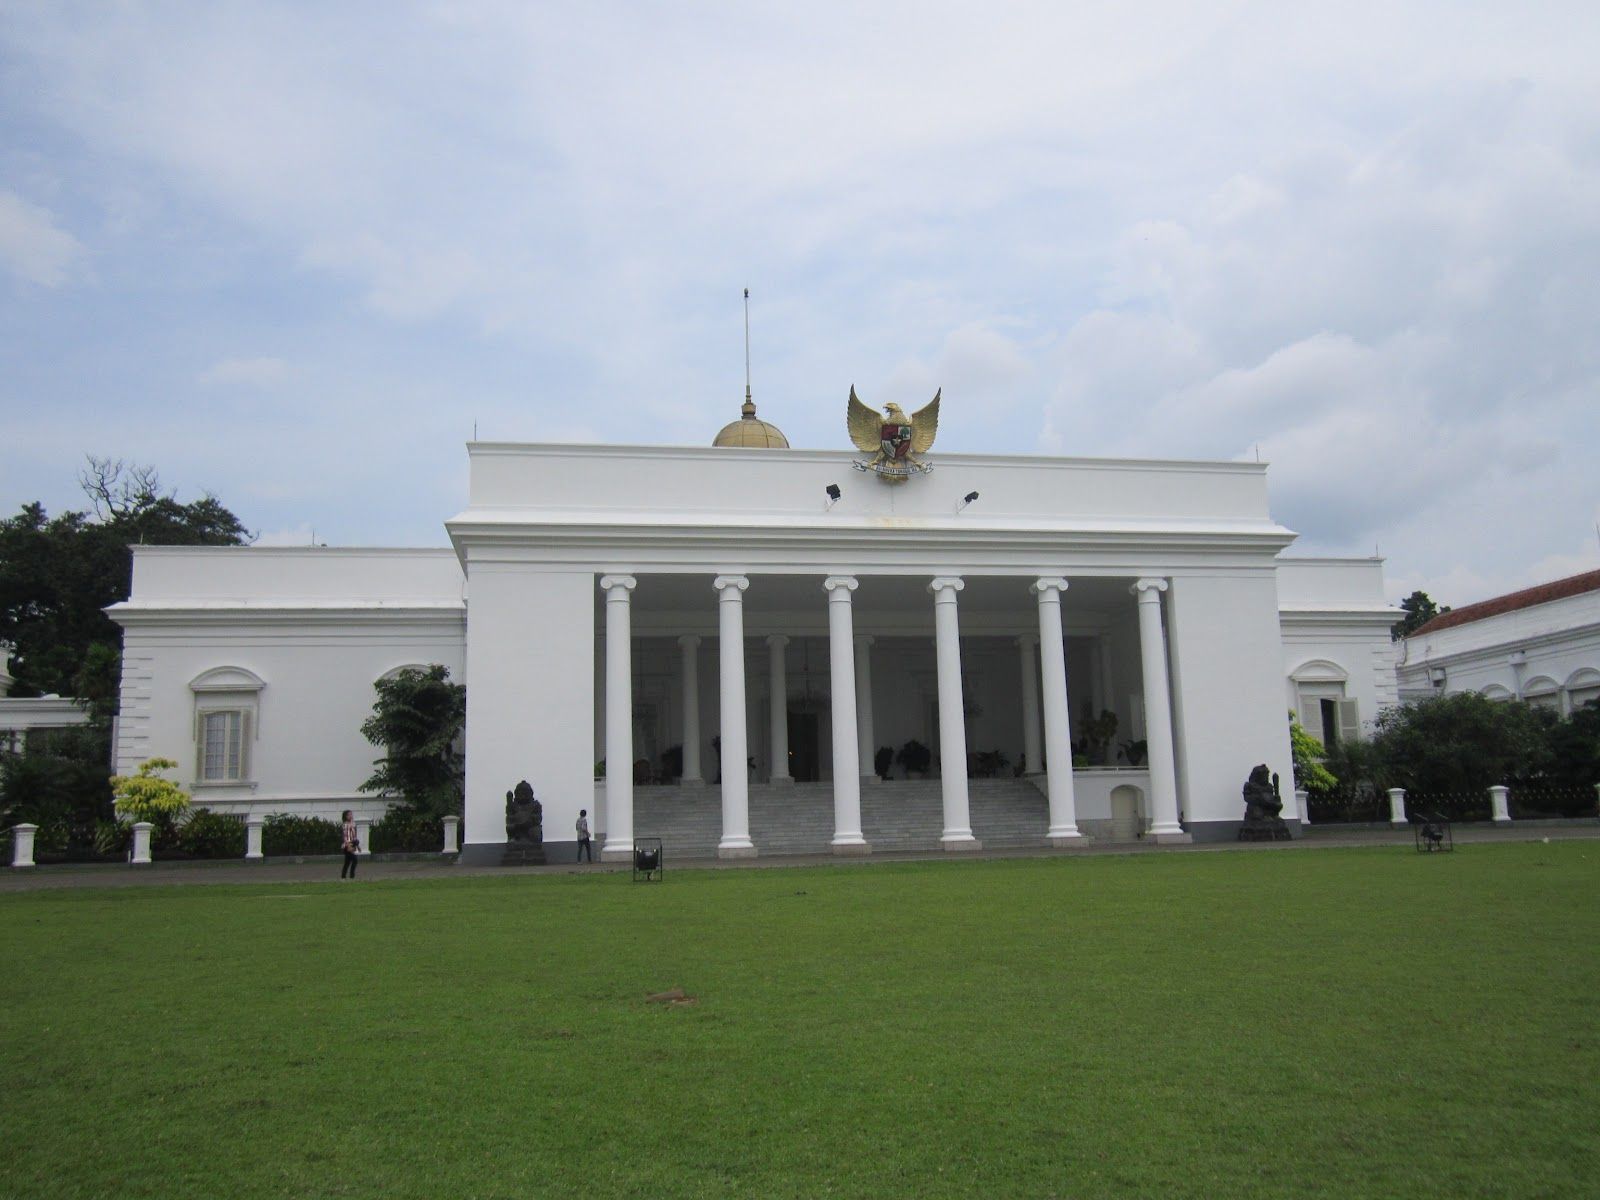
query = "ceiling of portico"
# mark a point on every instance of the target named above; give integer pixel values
(663, 603)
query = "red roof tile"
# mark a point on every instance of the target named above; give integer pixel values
(1574, 585)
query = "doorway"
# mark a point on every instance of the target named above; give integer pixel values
(805, 760)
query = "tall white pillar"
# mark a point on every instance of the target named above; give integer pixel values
(866, 739)
(1028, 656)
(952, 717)
(619, 717)
(690, 643)
(1164, 825)
(778, 677)
(847, 837)
(1057, 732)
(736, 841)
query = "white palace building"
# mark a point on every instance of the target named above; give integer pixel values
(764, 619)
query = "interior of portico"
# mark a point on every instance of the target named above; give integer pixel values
(674, 619)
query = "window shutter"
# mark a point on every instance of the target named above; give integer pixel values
(1349, 721)
(199, 745)
(1311, 716)
(244, 745)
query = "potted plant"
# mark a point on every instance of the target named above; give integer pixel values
(883, 762)
(915, 758)
(1135, 752)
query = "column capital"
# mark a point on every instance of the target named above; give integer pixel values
(863, 640)
(839, 586)
(610, 584)
(1027, 639)
(943, 585)
(731, 583)
(1047, 583)
(1149, 588)
(689, 641)
(777, 640)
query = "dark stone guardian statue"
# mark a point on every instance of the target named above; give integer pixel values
(1263, 806)
(524, 828)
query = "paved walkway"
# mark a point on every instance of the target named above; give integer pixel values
(326, 870)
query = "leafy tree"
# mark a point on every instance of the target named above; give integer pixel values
(1575, 748)
(1419, 609)
(418, 718)
(1310, 755)
(1461, 744)
(146, 796)
(59, 783)
(58, 573)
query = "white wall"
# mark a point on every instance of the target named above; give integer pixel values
(530, 704)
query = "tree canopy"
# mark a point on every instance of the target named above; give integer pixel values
(418, 718)
(1419, 609)
(58, 573)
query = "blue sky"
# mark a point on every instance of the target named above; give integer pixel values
(293, 253)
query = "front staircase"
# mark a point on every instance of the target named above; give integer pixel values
(798, 818)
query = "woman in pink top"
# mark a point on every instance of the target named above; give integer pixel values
(352, 846)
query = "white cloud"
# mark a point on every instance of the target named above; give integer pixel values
(258, 372)
(32, 246)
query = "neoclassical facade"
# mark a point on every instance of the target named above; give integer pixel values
(1540, 645)
(1112, 637)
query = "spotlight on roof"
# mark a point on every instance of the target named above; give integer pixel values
(833, 494)
(966, 500)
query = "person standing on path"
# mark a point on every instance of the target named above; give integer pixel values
(583, 836)
(352, 846)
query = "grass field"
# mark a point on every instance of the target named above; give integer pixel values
(1335, 1023)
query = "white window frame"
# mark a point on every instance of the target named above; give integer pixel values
(227, 692)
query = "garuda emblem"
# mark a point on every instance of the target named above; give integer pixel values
(892, 438)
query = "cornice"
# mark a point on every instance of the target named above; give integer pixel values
(214, 613)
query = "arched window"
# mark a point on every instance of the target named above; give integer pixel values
(1325, 711)
(227, 721)
(1583, 685)
(1542, 692)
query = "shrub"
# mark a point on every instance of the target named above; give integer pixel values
(407, 830)
(211, 835)
(145, 796)
(288, 834)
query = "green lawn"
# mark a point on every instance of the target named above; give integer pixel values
(1336, 1023)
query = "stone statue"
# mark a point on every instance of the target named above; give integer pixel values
(524, 826)
(1263, 806)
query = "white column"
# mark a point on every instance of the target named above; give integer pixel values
(952, 717)
(364, 835)
(452, 835)
(22, 845)
(1164, 825)
(1028, 661)
(141, 843)
(691, 709)
(1057, 731)
(619, 717)
(253, 824)
(778, 685)
(847, 837)
(735, 775)
(865, 738)
(1498, 796)
(1397, 806)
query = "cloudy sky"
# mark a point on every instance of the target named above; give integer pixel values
(295, 254)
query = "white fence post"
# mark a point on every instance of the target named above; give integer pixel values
(1302, 801)
(364, 834)
(452, 836)
(141, 843)
(252, 835)
(1497, 802)
(22, 845)
(1397, 806)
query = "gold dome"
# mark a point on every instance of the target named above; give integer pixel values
(748, 431)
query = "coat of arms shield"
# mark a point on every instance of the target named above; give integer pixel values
(896, 440)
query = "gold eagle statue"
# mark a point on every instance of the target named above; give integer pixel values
(892, 438)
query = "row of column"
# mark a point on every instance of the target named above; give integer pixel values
(849, 661)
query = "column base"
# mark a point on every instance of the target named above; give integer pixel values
(855, 849)
(622, 854)
(781, 780)
(255, 858)
(1180, 838)
(870, 780)
(691, 781)
(1393, 824)
(736, 851)
(959, 842)
(1069, 841)
(1502, 821)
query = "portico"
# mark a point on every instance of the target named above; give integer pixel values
(1074, 589)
